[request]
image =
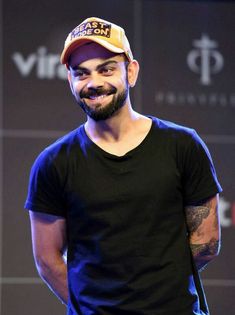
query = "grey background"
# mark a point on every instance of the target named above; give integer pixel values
(38, 108)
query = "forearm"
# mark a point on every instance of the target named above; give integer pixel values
(204, 231)
(203, 253)
(54, 273)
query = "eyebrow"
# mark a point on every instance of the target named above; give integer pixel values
(108, 62)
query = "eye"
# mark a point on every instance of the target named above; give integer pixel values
(107, 71)
(80, 74)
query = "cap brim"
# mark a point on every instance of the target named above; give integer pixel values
(81, 41)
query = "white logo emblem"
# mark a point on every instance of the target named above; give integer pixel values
(205, 59)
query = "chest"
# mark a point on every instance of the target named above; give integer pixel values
(95, 183)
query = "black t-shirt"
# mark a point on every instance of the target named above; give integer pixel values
(128, 250)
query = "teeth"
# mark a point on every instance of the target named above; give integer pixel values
(95, 97)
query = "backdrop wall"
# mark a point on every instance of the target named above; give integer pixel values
(186, 53)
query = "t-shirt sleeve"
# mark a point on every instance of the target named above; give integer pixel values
(45, 188)
(199, 175)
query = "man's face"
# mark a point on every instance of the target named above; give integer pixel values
(98, 80)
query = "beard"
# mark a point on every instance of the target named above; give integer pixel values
(107, 111)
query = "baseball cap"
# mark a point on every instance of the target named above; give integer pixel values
(107, 34)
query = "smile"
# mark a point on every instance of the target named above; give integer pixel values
(98, 97)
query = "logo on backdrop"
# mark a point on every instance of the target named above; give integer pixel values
(227, 213)
(41, 63)
(205, 59)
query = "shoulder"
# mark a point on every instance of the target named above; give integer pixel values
(65, 143)
(59, 150)
(171, 131)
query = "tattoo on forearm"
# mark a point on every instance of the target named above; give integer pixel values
(206, 249)
(203, 231)
(195, 216)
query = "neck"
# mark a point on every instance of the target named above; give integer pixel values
(115, 127)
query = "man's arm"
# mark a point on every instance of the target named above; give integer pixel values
(204, 230)
(49, 245)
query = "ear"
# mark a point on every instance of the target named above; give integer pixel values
(132, 72)
(70, 81)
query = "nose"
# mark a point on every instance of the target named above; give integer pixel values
(95, 81)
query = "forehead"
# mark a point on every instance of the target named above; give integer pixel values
(90, 51)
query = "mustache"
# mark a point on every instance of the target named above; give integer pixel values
(91, 92)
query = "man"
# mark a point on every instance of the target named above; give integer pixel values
(132, 199)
